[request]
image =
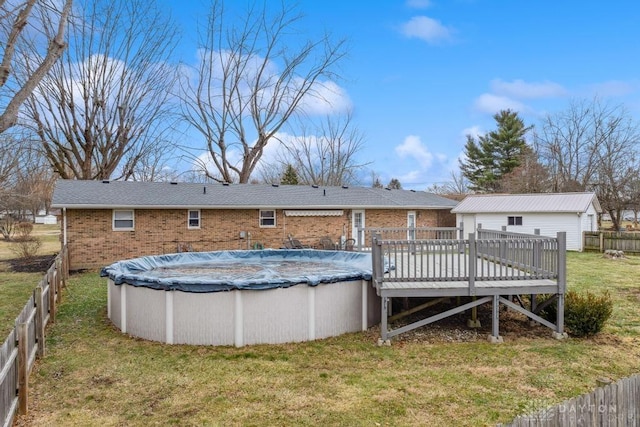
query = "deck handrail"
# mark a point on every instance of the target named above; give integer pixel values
(513, 258)
(365, 234)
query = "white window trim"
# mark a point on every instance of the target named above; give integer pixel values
(260, 218)
(411, 230)
(193, 227)
(133, 220)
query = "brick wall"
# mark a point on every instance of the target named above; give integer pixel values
(93, 243)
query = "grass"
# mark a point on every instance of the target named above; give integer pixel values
(16, 288)
(94, 375)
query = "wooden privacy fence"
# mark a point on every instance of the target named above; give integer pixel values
(616, 240)
(26, 341)
(615, 405)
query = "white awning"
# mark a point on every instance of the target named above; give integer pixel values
(314, 213)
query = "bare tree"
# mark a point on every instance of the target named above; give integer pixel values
(104, 106)
(28, 23)
(250, 80)
(324, 154)
(529, 177)
(593, 146)
(457, 185)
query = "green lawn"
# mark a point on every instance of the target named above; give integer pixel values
(94, 375)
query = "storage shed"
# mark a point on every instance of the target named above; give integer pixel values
(572, 213)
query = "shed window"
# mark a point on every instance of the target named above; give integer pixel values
(514, 220)
(194, 219)
(267, 218)
(123, 220)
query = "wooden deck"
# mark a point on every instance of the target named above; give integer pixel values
(488, 270)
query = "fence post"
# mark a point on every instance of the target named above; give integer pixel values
(39, 325)
(52, 298)
(601, 239)
(23, 368)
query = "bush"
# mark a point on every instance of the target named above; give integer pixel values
(584, 313)
(26, 248)
(23, 231)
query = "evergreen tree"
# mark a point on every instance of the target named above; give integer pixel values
(495, 154)
(377, 183)
(290, 177)
(394, 184)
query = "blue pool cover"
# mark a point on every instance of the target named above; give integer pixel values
(229, 270)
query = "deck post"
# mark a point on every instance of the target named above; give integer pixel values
(471, 268)
(383, 322)
(495, 337)
(562, 284)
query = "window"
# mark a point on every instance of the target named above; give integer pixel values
(514, 220)
(123, 220)
(267, 218)
(193, 219)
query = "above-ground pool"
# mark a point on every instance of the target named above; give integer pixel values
(242, 297)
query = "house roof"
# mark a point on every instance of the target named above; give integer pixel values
(75, 194)
(527, 203)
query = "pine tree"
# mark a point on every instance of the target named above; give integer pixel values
(394, 184)
(290, 176)
(495, 154)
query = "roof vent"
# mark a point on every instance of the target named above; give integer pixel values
(226, 184)
(106, 181)
(275, 185)
(314, 186)
(345, 186)
(387, 188)
(413, 191)
(174, 183)
(204, 190)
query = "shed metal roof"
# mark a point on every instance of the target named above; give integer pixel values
(75, 194)
(527, 203)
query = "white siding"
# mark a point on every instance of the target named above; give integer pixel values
(549, 225)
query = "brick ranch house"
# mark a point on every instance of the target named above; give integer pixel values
(106, 221)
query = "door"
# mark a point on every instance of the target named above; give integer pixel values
(411, 225)
(357, 228)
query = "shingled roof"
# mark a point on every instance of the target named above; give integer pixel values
(73, 194)
(510, 203)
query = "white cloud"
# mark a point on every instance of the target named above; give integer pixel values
(427, 29)
(527, 90)
(474, 131)
(490, 103)
(419, 4)
(326, 98)
(613, 88)
(414, 148)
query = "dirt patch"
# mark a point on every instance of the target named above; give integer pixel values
(37, 264)
(455, 329)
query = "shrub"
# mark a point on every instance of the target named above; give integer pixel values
(23, 231)
(26, 248)
(584, 313)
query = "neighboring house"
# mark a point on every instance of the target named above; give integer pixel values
(525, 213)
(106, 221)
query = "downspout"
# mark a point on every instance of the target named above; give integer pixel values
(64, 227)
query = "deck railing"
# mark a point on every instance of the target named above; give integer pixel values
(512, 258)
(365, 235)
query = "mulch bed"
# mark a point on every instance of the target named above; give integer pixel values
(37, 264)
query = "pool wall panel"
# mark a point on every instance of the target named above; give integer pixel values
(114, 301)
(276, 315)
(146, 313)
(338, 308)
(203, 318)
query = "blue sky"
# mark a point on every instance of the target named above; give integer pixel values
(421, 74)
